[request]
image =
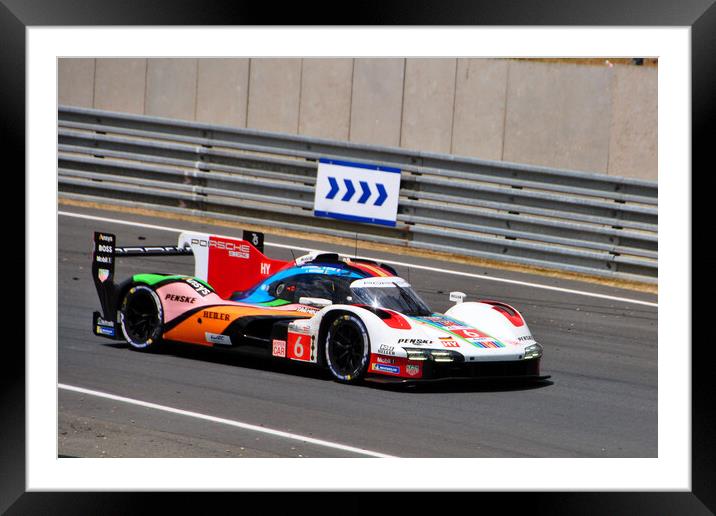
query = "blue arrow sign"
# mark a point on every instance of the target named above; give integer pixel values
(334, 188)
(357, 192)
(383, 195)
(366, 192)
(351, 190)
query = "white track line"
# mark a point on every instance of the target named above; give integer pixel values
(390, 262)
(220, 420)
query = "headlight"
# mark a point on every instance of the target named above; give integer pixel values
(440, 355)
(437, 355)
(533, 351)
(417, 354)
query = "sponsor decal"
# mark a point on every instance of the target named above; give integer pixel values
(386, 368)
(412, 369)
(525, 337)
(380, 282)
(103, 274)
(449, 343)
(265, 269)
(180, 299)
(279, 348)
(105, 330)
(386, 350)
(200, 289)
(217, 338)
(215, 315)
(384, 360)
(235, 249)
(306, 309)
(416, 342)
(104, 322)
(105, 238)
(103, 259)
(444, 322)
(469, 335)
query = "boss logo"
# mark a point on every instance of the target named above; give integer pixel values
(104, 248)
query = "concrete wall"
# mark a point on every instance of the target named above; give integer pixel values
(428, 104)
(479, 121)
(120, 84)
(558, 115)
(325, 104)
(377, 104)
(75, 82)
(274, 93)
(222, 91)
(575, 116)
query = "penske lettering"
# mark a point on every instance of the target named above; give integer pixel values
(180, 299)
(417, 342)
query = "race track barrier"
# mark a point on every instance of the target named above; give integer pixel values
(557, 219)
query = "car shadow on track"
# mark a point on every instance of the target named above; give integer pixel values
(461, 386)
(262, 363)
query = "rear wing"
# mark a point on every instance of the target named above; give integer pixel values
(227, 264)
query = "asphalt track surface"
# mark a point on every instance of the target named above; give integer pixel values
(186, 402)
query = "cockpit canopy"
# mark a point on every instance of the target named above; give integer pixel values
(338, 285)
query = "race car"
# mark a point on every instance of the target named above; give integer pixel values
(355, 317)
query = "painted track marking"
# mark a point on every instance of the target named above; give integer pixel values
(223, 421)
(390, 262)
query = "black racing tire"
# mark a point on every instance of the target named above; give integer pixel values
(347, 349)
(141, 317)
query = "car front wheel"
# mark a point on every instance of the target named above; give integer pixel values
(347, 349)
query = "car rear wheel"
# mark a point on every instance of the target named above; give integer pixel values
(141, 318)
(347, 349)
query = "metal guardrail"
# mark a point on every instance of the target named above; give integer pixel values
(558, 219)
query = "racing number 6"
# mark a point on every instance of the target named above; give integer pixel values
(298, 348)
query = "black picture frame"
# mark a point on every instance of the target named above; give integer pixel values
(17, 15)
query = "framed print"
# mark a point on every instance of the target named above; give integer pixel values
(115, 103)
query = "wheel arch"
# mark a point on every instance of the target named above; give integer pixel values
(378, 331)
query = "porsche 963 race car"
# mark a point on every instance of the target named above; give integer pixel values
(355, 317)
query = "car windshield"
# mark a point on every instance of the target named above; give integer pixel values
(391, 293)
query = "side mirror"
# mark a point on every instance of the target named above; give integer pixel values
(319, 302)
(457, 297)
